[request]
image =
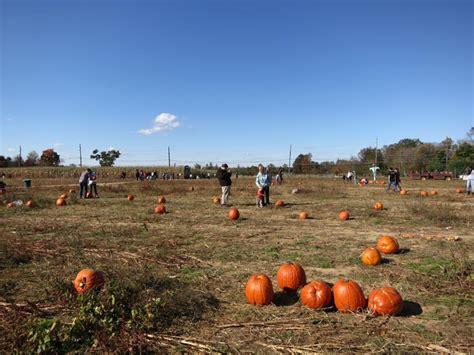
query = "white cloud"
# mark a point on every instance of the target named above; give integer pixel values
(58, 144)
(11, 150)
(162, 122)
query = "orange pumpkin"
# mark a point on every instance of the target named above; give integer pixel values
(423, 193)
(371, 256)
(259, 290)
(216, 200)
(385, 301)
(160, 209)
(63, 196)
(234, 214)
(403, 192)
(303, 215)
(161, 199)
(459, 190)
(29, 203)
(87, 279)
(89, 195)
(316, 294)
(60, 202)
(387, 244)
(378, 205)
(10, 205)
(191, 188)
(279, 203)
(434, 193)
(344, 215)
(71, 191)
(290, 277)
(130, 197)
(348, 296)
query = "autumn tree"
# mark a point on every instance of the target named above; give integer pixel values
(49, 158)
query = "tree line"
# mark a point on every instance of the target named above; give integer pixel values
(409, 155)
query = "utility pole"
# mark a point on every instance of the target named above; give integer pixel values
(19, 158)
(80, 156)
(289, 161)
(169, 157)
(376, 148)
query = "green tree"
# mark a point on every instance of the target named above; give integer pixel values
(463, 158)
(105, 158)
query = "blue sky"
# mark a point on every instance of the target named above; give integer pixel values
(235, 81)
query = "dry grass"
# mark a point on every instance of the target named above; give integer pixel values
(177, 280)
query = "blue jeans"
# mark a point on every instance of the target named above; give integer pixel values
(83, 186)
(395, 186)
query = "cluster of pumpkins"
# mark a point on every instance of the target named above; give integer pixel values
(159, 209)
(385, 244)
(346, 295)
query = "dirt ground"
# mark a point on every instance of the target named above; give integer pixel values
(175, 282)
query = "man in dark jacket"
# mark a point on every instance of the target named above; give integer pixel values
(223, 175)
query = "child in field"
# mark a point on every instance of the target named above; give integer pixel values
(259, 197)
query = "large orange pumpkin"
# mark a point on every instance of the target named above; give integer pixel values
(459, 190)
(348, 296)
(423, 193)
(10, 205)
(387, 244)
(216, 200)
(161, 199)
(63, 196)
(130, 197)
(403, 192)
(434, 193)
(378, 205)
(303, 215)
(371, 256)
(344, 215)
(29, 203)
(259, 290)
(87, 279)
(60, 202)
(385, 300)
(233, 214)
(290, 277)
(316, 294)
(279, 203)
(160, 209)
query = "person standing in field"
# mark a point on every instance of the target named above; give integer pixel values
(263, 182)
(470, 181)
(223, 175)
(83, 181)
(392, 180)
(93, 183)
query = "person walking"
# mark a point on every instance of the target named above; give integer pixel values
(83, 181)
(263, 182)
(223, 175)
(392, 180)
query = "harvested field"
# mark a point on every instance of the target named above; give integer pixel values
(175, 282)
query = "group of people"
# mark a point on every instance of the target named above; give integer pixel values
(263, 182)
(88, 180)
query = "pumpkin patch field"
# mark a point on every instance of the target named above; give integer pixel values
(170, 271)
